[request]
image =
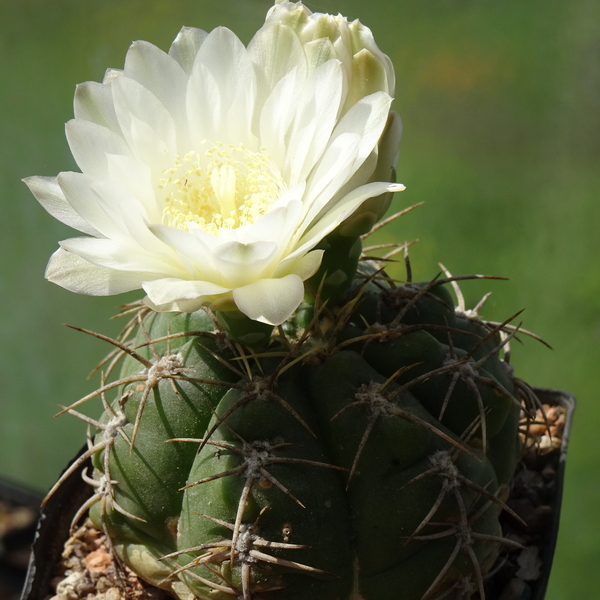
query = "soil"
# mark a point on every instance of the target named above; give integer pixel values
(88, 570)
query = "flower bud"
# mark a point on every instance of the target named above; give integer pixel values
(323, 36)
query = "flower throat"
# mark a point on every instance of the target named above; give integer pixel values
(224, 188)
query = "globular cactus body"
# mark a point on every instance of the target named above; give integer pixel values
(362, 450)
(368, 460)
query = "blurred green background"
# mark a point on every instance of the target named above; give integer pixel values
(500, 103)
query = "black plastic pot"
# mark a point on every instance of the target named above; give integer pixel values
(56, 516)
(567, 401)
(53, 531)
(16, 541)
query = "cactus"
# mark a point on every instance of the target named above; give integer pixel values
(306, 428)
(365, 451)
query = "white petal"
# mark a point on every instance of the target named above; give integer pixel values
(186, 306)
(367, 118)
(367, 75)
(195, 254)
(210, 241)
(334, 169)
(301, 153)
(276, 116)
(353, 141)
(161, 75)
(147, 125)
(241, 264)
(79, 194)
(129, 215)
(286, 11)
(277, 225)
(379, 166)
(317, 109)
(388, 148)
(112, 255)
(136, 177)
(203, 105)
(227, 59)
(93, 102)
(168, 290)
(270, 301)
(186, 46)
(343, 45)
(276, 50)
(48, 193)
(319, 52)
(364, 37)
(342, 210)
(150, 147)
(182, 241)
(110, 75)
(305, 266)
(77, 275)
(362, 175)
(90, 143)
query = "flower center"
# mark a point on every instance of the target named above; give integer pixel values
(224, 188)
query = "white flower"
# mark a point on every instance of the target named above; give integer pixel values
(209, 174)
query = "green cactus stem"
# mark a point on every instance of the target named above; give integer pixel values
(363, 451)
